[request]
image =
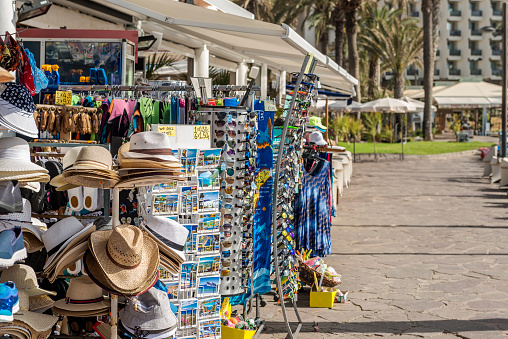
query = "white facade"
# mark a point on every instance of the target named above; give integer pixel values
(463, 51)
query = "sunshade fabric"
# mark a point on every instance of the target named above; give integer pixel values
(387, 104)
(469, 95)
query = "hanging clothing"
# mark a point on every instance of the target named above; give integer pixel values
(313, 212)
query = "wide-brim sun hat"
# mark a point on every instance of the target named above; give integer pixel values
(40, 302)
(93, 270)
(63, 235)
(169, 234)
(32, 243)
(150, 311)
(37, 321)
(149, 181)
(67, 162)
(15, 160)
(95, 313)
(128, 258)
(87, 179)
(17, 108)
(150, 145)
(163, 335)
(144, 163)
(83, 296)
(25, 279)
(68, 258)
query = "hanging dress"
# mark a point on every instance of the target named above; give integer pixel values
(313, 212)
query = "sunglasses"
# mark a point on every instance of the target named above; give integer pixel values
(222, 123)
(221, 143)
(225, 273)
(226, 262)
(227, 243)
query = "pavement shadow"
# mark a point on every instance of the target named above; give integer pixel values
(394, 327)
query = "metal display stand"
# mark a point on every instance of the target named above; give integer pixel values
(307, 63)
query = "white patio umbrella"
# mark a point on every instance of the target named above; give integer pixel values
(418, 105)
(386, 105)
(342, 106)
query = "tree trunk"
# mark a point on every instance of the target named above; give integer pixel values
(339, 19)
(375, 154)
(428, 66)
(399, 84)
(436, 7)
(373, 76)
(353, 58)
(323, 43)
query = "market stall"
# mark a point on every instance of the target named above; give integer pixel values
(150, 211)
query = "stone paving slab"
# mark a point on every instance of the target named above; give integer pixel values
(422, 246)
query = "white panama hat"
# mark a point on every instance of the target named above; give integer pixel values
(15, 160)
(169, 235)
(150, 145)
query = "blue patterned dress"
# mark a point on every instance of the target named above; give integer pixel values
(313, 214)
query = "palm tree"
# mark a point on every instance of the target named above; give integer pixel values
(339, 20)
(321, 20)
(262, 9)
(351, 11)
(399, 45)
(372, 17)
(157, 61)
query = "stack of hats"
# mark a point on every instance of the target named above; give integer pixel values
(27, 324)
(92, 168)
(149, 314)
(122, 261)
(148, 160)
(66, 242)
(315, 124)
(83, 299)
(170, 236)
(16, 109)
(15, 162)
(68, 161)
(32, 228)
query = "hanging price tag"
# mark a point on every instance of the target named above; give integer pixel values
(169, 130)
(63, 98)
(201, 132)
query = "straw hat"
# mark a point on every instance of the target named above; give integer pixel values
(151, 311)
(64, 235)
(68, 161)
(92, 168)
(32, 243)
(37, 322)
(67, 260)
(15, 162)
(128, 258)
(151, 146)
(83, 296)
(170, 235)
(40, 302)
(125, 162)
(93, 270)
(5, 76)
(25, 279)
(33, 186)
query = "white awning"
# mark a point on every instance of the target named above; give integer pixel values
(279, 47)
(462, 103)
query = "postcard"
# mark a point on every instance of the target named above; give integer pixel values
(208, 243)
(190, 245)
(189, 199)
(207, 222)
(172, 287)
(208, 286)
(164, 204)
(209, 158)
(209, 265)
(209, 308)
(208, 179)
(188, 158)
(188, 313)
(209, 328)
(209, 201)
(166, 187)
(188, 273)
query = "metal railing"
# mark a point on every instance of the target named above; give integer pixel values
(455, 32)
(475, 72)
(454, 71)
(454, 12)
(476, 52)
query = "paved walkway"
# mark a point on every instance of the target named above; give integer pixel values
(422, 246)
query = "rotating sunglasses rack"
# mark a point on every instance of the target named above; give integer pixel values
(232, 129)
(293, 116)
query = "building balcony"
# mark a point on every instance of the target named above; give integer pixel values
(436, 72)
(454, 72)
(412, 72)
(476, 13)
(497, 12)
(455, 52)
(496, 72)
(415, 14)
(455, 15)
(476, 32)
(438, 55)
(496, 52)
(476, 52)
(455, 33)
(475, 72)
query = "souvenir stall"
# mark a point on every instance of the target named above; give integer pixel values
(148, 212)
